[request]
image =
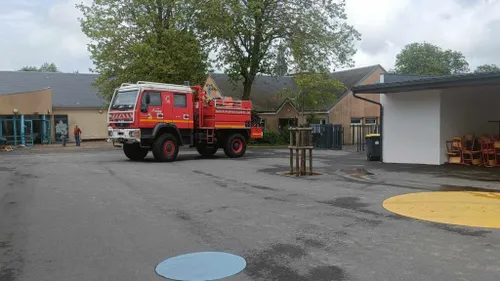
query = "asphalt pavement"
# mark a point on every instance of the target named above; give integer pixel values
(93, 215)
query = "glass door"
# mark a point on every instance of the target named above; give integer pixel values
(61, 127)
(28, 132)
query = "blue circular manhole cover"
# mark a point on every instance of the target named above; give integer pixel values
(203, 266)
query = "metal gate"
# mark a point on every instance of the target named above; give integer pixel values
(359, 132)
(327, 136)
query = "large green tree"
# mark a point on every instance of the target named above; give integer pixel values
(427, 59)
(313, 91)
(487, 68)
(151, 40)
(247, 36)
(46, 67)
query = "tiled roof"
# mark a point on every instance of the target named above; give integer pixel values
(265, 88)
(393, 77)
(68, 89)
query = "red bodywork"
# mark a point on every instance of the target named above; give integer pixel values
(195, 113)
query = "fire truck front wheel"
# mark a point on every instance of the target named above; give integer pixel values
(165, 148)
(235, 146)
(134, 152)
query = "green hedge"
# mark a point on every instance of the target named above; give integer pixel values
(274, 138)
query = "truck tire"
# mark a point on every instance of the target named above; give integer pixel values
(165, 148)
(235, 146)
(134, 152)
(207, 151)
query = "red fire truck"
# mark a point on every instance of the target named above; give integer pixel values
(157, 117)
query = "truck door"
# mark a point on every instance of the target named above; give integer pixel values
(167, 99)
(182, 110)
(154, 113)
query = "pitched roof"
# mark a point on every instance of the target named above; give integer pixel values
(393, 77)
(350, 78)
(427, 83)
(265, 88)
(68, 89)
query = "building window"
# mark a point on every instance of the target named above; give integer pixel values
(180, 101)
(356, 121)
(262, 123)
(371, 121)
(287, 122)
(322, 121)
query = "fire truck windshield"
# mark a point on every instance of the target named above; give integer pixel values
(124, 99)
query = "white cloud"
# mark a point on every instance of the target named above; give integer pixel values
(387, 26)
(38, 31)
(42, 31)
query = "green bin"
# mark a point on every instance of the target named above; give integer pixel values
(373, 147)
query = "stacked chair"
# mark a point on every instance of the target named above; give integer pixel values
(472, 150)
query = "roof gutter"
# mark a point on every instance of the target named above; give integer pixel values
(381, 118)
(431, 83)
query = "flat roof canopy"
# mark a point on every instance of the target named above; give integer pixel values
(440, 82)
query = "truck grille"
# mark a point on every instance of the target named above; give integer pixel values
(122, 125)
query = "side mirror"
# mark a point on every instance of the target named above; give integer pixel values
(144, 108)
(148, 99)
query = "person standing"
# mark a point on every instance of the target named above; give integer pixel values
(77, 132)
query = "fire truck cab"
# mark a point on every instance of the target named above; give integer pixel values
(157, 117)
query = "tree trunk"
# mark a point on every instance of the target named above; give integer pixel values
(247, 88)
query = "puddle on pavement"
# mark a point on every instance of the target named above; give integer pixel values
(448, 187)
(358, 173)
(288, 174)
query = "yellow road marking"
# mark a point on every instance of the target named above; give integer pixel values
(466, 208)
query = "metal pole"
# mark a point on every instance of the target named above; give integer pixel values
(23, 140)
(14, 121)
(44, 129)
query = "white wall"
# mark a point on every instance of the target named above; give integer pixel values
(412, 127)
(467, 110)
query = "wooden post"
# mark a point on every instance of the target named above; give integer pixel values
(301, 144)
(297, 144)
(310, 161)
(297, 173)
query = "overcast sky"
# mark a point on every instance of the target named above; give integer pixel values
(37, 31)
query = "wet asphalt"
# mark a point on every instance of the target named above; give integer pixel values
(93, 215)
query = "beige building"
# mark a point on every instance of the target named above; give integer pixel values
(38, 107)
(352, 113)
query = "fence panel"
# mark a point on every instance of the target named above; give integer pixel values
(359, 132)
(327, 136)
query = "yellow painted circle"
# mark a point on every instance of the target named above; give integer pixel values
(467, 208)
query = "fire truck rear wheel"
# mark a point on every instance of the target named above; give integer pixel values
(165, 148)
(235, 146)
(206, 151)
(134, 152)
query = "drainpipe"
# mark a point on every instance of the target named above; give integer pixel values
(381, 119)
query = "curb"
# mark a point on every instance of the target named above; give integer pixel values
(268, 146)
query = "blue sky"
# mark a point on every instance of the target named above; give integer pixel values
(36, 31)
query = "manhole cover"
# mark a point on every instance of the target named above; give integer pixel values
(201, 266)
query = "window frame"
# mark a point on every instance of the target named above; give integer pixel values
(185, 100)
(143, 99)
(356, 123)
(374, 119)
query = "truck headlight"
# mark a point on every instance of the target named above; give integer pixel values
(135, 134)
